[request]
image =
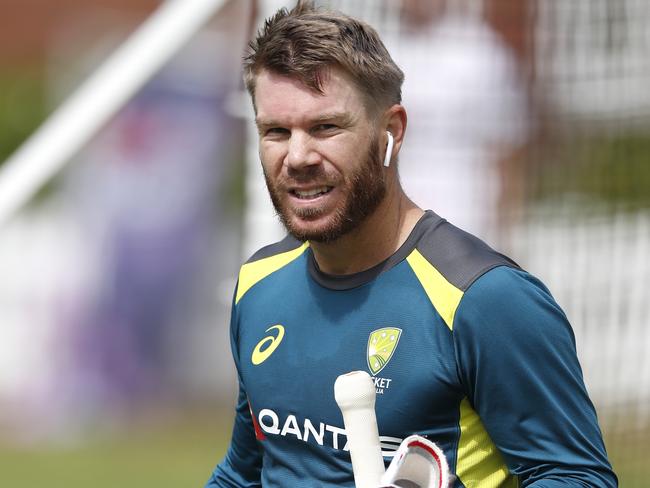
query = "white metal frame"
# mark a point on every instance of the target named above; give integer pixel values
(79, 118)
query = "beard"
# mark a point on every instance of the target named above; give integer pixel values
(363, 191)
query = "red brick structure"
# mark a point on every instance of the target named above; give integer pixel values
(27, 25)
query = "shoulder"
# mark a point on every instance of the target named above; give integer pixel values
(508, 283)
(508, 290)
(458, 256)
(266, 261)
(447, 261)
(507, 304)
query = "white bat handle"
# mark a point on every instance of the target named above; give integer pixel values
(355, 395)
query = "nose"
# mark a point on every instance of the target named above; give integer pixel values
(301, 152)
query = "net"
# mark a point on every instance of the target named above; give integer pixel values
(530, 126)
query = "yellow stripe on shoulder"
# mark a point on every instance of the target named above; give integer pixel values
(252, 273)
(479, 463)
(444, 296)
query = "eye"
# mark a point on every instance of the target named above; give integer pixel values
(276, 131)
(325, 128)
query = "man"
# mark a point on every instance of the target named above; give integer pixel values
(460, 76)
(464, 347)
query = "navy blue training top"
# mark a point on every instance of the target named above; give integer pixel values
(464, 347)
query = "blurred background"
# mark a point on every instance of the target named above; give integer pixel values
(529, 125)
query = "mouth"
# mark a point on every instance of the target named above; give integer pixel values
(311, 193)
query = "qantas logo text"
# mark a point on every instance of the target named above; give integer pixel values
(323, 434)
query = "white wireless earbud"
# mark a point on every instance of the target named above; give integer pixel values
(389, 149)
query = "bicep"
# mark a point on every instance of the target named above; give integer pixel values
(517, 360)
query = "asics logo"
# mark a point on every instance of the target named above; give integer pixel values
(266, 346)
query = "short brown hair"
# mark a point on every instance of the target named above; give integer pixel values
(304, 42)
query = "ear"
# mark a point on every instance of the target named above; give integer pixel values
(394, 121)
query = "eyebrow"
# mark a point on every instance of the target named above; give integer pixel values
(343, 118)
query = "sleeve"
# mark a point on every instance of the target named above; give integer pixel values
(517, 360)
(242, 464)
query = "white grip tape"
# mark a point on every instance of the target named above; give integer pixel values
(355, 395)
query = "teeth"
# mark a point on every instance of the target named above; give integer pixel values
(311, 193)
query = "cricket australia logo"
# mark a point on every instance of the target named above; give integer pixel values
(381, 346)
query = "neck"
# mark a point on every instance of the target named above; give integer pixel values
(377, 238)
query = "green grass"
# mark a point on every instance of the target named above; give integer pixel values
(612, 170)
(628, 446)
(22, 106)
(181, 451)
(172, 453)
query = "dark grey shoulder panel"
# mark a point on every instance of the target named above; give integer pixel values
(461, 257)
(287, 244)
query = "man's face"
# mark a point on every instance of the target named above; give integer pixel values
(319, 154)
